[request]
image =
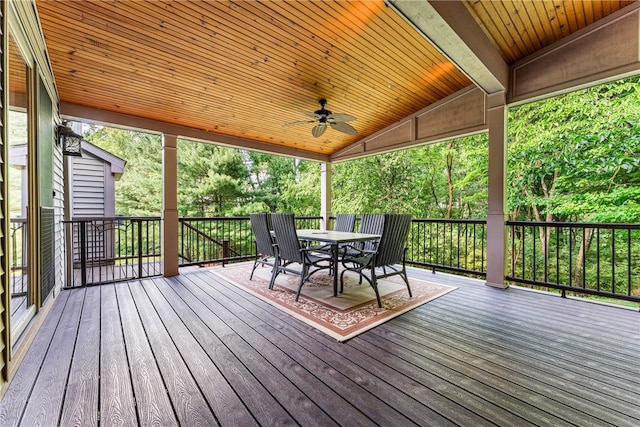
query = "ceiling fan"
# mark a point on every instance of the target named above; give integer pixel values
(323, 117)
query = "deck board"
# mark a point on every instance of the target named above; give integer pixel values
(224, 402)
(274, 368)
(18, 395)
(344, 361)
(117, 405)
(81, 398)
(189, 404)
(153, 404)
(193, 349)
(263, 406)
(315, 363)
(45, 402)
(493, 405)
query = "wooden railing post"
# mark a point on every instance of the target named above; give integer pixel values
(83, 253)
(225, 251)
(139, 222)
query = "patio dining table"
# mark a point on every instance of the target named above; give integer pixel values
(334, 238)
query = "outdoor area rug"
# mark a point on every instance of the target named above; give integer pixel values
(345, 316)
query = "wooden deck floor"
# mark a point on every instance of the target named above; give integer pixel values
(193, 350)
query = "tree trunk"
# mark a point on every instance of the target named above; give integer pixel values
(449, 183)
(584, 248)
(544, 232)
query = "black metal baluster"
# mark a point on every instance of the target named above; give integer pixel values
(628, 262)
(584, 257)
(598, 259)
(613, 260)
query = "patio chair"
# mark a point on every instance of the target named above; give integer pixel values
(344, 222)
(264, 240)
(387, 254)
(289, 251)
(369, 224)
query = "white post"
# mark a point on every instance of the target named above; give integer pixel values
(325, 194)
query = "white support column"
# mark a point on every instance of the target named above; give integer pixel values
(496, 230)
(325, 193)
(169, 205)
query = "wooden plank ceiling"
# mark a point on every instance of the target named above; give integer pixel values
(246, 68)
(520, 28)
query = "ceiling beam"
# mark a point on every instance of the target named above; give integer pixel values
(449, 26)
(75, 112)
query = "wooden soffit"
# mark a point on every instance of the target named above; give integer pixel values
(235, 72)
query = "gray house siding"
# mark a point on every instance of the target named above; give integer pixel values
(58, 206)
(91, 180)
(88, 181)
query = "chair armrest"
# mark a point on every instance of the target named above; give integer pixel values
(359, 250)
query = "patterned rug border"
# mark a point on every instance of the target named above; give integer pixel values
(341, 324)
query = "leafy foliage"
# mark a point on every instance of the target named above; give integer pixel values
(284, 184)
(575, 157)
(211, 179)
(139, 190)
(446, 180)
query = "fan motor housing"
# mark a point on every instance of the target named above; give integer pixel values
(322, 112)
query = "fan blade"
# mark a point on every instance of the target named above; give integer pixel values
(301, 122)
(344, 128)
(318, 129)
(310, 114)
(340, 117)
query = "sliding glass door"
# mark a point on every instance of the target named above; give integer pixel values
(21, 143)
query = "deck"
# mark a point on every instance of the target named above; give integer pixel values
(192, 350)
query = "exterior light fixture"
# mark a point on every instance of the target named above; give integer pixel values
(70, 141)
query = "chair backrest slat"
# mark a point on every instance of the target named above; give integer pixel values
(371, 224)
(393, 240)
(345, 222)
(261, 233)
(284, 227)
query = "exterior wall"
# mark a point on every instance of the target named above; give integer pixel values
(88, 180)
(5, 337)
(91, 194)
(58, 205)
(20, 16)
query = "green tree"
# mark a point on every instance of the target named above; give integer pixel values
(445, 180)
(575, 157)
(373, 184)
(212, 180)
(139, 190)
(284, 184)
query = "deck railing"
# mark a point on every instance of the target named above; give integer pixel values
(102, 250)
(211, 240)
(595, 259)
(203, 241)
(449, 244)
(580, 258)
